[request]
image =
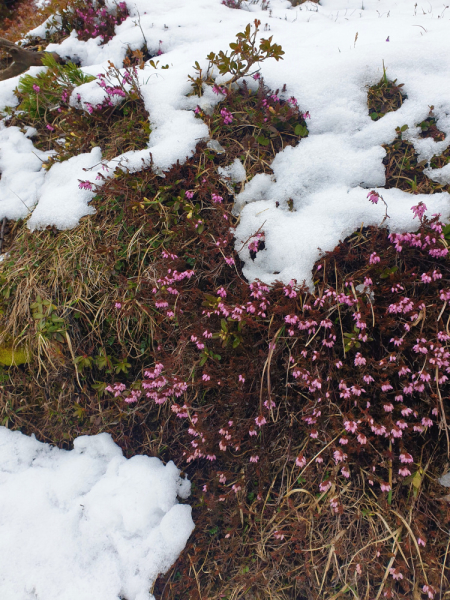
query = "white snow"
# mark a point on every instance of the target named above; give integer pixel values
(87, 523)
(235, 173)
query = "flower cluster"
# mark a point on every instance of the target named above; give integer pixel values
(92, 20)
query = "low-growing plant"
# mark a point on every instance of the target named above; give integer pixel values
(429, 128)
(253, 125)
(68, 126)
(404, 171)
(90, 19)
(386, 96)
(45, 91)
(245, 54)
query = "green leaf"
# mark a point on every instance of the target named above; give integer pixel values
(301, 130)
(262, 140)
(387, 272)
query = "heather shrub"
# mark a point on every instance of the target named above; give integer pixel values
(91, 19)
(385, 96)
(312, 422)
(67, 126)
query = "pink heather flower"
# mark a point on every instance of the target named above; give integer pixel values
(404, 472)
(338, 364)
(428, 589)
(398, 398)
(236, 488)
(385, 487)
(406, 411)
(420, 541)
(395, 574)
(359, 360)
(325, 486)
(300, 461)
(36, 88)
(388, 407)
(373, 197)
(362, 439)
(241, 379)
(221, 292)
(339, 456)
(252, 432)
(343, 441)
(217, 199)
(256, 76)
(278, 535)
(260, 420)
(351, 426)
(189, 195)
(117, 305)
(368, 379)
(319, 460)
(405, 457)
(254, 459)
(426, 422)
(206, 377)
(85, 185)
(269, 404)
(345, 472)
(386, 386)
(314, 434)
(374, 258)
(227, 116)
(419, 210)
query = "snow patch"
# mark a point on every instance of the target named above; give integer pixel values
(87, 523)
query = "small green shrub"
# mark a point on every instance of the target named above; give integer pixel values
(45, 91)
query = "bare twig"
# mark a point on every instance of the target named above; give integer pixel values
(23, 59)
(2, 234)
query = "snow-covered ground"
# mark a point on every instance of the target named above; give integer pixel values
(332, 53)
(86, 524)
(89, 523)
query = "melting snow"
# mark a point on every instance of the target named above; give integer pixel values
(87, 523)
